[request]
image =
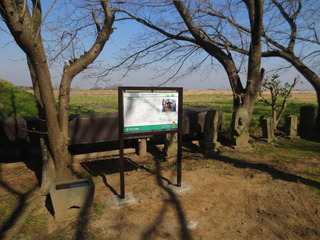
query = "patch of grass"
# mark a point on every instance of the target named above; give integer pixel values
(293, 108)
(316, 190)
(25, 185)
(60, 237)
(252, 174)
(93, 104)
(312, 173)
(15, 101)
(3, 210)
(19, 171)
(98, 210)
(36, 223)
(8, 203)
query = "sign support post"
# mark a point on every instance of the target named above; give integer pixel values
(145, 111)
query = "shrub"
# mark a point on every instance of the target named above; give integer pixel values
(15, 101)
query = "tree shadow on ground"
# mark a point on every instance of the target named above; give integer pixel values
(272, 171)
(173, 201)
(24, 206)
(104, 167)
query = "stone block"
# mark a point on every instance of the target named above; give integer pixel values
(267, 129)
(210, 131)
(71, 198)
(291, 126)
(241, 142)
(307, 121)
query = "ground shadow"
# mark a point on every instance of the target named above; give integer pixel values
(173, 201)
(19, 209)
(109, 166)
(49, 205)
(272, 171)
(83, 221)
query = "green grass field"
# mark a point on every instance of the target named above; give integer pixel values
(100, 101)
(14, 102)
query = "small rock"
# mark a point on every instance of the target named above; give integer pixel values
(192, 224)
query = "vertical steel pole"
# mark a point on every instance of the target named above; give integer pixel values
(179, 160)
(121, 139)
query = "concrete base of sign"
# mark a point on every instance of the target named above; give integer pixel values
(117, 202)
(185, 187)
(71, 198)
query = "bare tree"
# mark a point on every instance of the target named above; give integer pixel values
(187, 34)
(24, 21)
(290, 32)
(297, 40)
(277, 92)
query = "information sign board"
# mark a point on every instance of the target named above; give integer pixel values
(145, 111)
(149, 111)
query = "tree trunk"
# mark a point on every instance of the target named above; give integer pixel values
(49, 166)
(48, 176)
(318, 115)
(238, 133)
(25, 28)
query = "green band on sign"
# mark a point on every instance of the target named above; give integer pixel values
(151, 127)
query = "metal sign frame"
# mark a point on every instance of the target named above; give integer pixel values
(129, 135)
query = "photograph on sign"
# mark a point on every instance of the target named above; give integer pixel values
(150, 111)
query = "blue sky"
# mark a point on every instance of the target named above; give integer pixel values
(13, 67)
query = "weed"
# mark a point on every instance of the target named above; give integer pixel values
(25, 185)
(19, 171)
(229, 173)
(3, 210)
(98, 210)
(279, 160)
(316, 190)
(60, 237)
(7, 206)
(35, 223)
(4, 195)
(312, 173)
(252, 174)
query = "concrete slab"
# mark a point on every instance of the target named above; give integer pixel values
(185, 188)
(117, 202)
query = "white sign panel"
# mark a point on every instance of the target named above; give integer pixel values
(148, 111)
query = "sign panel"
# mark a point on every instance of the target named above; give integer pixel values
(150, 111)
(145, 111)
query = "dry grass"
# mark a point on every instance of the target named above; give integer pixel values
(309, 96)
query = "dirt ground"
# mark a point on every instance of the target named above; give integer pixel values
(224, 201)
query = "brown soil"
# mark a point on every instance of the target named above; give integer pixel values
(225, 201)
